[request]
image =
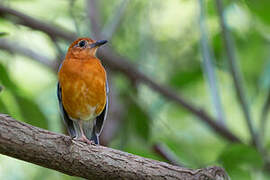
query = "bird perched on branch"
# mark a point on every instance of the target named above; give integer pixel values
(83, 90)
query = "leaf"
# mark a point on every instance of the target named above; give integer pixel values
(211, 7)
(239, 155)
(139, 119)
(142, 150)
(5, 79)
(28, 108)
(239, 160)
(31, 112)
(253, 55)
(217, 46)
(260, 9)
(3, 108)
(2, 34)
(239, 174)
(182, 78)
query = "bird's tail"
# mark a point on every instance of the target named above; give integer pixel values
(88, 130)
(95, 137)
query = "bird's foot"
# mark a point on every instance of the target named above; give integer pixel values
(84, 139)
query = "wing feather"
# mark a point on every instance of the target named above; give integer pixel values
(102, 117)
(65, 117)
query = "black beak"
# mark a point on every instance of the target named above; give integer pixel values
(98, 43)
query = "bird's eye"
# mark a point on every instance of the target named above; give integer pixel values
(82, 43)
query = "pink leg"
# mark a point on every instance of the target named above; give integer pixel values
(83, 137)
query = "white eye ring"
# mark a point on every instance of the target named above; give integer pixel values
(82, 43)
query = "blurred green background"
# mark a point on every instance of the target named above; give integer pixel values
(164, 40)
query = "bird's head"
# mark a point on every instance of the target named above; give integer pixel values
(84, 48)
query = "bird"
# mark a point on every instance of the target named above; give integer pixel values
(82, 90)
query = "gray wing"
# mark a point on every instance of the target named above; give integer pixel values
(65, 117)
(102, 117)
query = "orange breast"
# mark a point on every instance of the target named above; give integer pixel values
(83, 84)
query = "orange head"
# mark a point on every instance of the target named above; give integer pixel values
(84, 48)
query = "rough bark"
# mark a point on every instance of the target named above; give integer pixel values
(61, 153)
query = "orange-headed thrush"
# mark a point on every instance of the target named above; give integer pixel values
(83, 90)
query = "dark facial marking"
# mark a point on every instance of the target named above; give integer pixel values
(82, 43)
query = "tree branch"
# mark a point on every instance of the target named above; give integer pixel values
(167, 154)
(264, 115)
(72, 15)
(94, 16)
(115, 108)
(208, 67)
(114, 22)
(237, 80)
(14, 47)
(26, 20)
(61, 153)
(121, 64)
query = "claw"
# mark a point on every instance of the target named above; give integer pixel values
(84, 139)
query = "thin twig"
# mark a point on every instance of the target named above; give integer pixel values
(60, 52)
(208, 67)
(132, 73)
(264, 115)
(112, 24)
(51, 30)
(163, 151)
(237, 80)
(119, 63)
(14, 47)
(92, 9)
(71, 11)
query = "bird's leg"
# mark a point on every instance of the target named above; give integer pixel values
(83, 137)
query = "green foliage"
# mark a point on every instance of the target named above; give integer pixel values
(260, 9)
(31, 112)
(240, 160)
(140, 120)
(3, 108)
(3, 34)
(183, 78)
(218, 47)
(5, 80)
(137, 119)
(29, 109)
(161, 38)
